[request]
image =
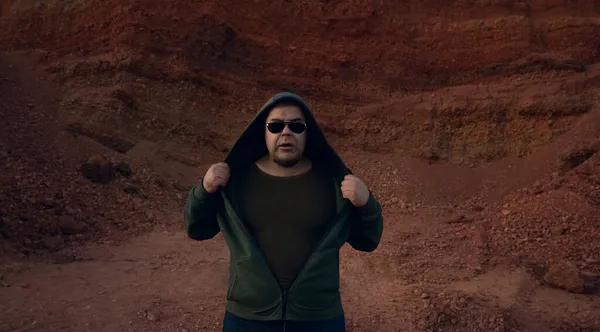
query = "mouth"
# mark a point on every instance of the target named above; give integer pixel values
(286, 146)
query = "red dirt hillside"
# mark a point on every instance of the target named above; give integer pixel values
(476, 124)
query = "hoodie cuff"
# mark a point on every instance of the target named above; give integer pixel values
(200, 192)
(369, 209)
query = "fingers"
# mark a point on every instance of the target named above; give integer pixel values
(347, 189)
(348, 185)
(216, 176)
(347, 196)
(220, 180)
(221, 166)
(349, 179)
(221, 173)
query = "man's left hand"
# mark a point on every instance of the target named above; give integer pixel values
(355, 190)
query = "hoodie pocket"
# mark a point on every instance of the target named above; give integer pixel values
(252, 287)
(318, 288)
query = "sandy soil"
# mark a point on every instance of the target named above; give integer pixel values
(477, 125)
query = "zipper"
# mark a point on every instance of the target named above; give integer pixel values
(337, 221)
(285, 292)
(333, 224)
(253, 242)
(283, 304)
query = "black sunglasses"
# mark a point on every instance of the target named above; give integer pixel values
(296, 126)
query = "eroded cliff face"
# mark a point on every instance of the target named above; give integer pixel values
(397, 45)
(456, 82)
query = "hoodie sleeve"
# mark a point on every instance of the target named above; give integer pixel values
(200, 213)
(367, 226)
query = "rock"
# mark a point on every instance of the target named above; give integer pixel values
(148, 315)
(48, 203)
(70, 226)
(505, 212)
(590, 275)
(595, 146)
(131, 189)
(70, 211)
(459, 219)
(59, 210)
(52, 243)
(179, 186)
(3, 283)
(478, 208)
(123, 169)
(565, 275)
(575, 157)
(560, 230)
(124, 97)
(98, 169)
(151, 317)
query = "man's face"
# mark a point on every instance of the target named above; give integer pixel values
(286, 143)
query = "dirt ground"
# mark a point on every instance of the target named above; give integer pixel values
(476, 124)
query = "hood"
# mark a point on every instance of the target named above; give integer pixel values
(250, 145)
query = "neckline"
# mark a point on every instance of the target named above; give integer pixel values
(291, 177)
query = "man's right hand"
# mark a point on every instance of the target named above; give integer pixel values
(216, 176)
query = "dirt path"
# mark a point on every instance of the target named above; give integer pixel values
(158, 276)
(165, 282)
(424, 276)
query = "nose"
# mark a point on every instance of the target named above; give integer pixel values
(286, 130)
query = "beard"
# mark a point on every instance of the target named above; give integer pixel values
(287, 159)
(286, 162)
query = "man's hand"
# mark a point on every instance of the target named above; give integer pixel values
(216, 176)
(355, 190)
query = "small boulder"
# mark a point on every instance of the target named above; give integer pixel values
(98, 169)
(131, 189)
(123, 169)
(70, 226)
(565, 275)
(53, 243)
(575, 157)
(124, 97)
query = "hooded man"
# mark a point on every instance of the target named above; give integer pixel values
(285, 203)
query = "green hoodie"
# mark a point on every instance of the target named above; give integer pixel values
(253, 291)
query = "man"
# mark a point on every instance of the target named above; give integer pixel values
(285, 203)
